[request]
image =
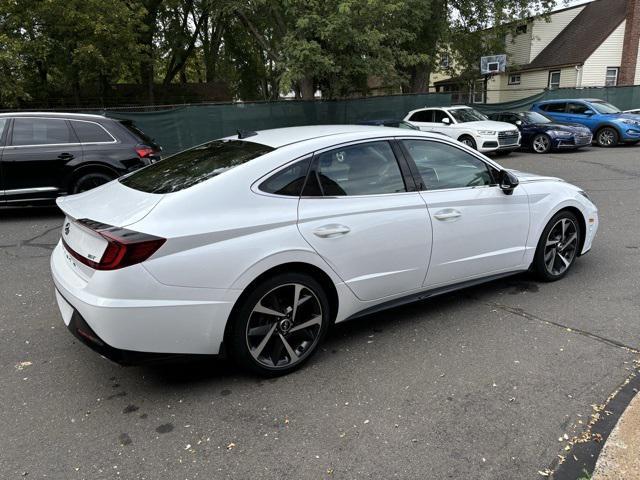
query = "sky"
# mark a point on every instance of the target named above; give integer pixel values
(571, 3)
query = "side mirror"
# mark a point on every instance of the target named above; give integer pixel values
(588, 113)
(508, 182)
(446, 120)
(518, 122)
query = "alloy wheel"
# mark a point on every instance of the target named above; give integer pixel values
(606, 137)
(541, 144)
(561, 246)
(284, 326)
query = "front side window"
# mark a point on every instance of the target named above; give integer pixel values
(611, 79)
(577, 108)
(444, 166)
(188, 168)
(554, 79)
(463, 115)
(90, 132)
(439, 116)
(288, 181)
(363, 169)
(40, 131)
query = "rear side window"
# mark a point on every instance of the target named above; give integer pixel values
(288, 181)
(40, 131)
(3, 124)
(554, 107)
(363, 169)
(188, 168)
(422, 116)
(90, 132)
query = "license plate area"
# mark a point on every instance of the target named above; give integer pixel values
(83, 241)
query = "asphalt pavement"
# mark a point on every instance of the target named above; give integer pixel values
(483, 383)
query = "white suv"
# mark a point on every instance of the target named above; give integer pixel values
(467, 125)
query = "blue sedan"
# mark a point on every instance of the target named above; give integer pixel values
(541, 134)
(609, 125)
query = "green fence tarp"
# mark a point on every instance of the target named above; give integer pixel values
(184, 127)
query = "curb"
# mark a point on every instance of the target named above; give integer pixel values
(620, 456)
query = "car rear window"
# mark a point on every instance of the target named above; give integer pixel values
(139, 134)
(188, 168)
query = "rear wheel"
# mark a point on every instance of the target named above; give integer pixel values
(607, 137)
(279, 324)
(558, 247)
(90, 180)
(541, 143)
(468, 141)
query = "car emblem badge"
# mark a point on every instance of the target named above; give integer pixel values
(66, 229)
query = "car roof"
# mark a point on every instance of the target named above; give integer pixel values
(558, 100)
(53, 115)
(442, 107)
(279, 137)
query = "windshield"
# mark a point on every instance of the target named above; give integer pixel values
(193, 166)
(604, 107)
(462, 115)
(534, 117)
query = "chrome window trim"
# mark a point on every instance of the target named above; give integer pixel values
(71, 144)
(21, 191)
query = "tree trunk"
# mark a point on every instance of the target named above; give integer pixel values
(307, 89)
(146, 40)
(420, 76)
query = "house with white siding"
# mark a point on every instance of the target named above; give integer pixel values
(594, 44)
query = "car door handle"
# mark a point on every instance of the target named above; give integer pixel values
(65, 156)
(448, 214)
(330, 231)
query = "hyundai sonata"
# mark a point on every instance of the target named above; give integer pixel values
(253, 245)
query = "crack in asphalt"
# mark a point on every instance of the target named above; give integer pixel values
(529, 316)
(30, 242)
(612, 168)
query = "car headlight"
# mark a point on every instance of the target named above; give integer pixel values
(487, 132)
(584, 194)
(631, 122)
(560, 133)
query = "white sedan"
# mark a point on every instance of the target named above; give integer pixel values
(255, 244)
(468, 126)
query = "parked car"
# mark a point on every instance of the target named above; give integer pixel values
(609, 125)
(541, 134)
(468, 126)
(255, 245)
(389, 123)
(44, 155)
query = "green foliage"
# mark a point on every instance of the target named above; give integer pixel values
(262, 48)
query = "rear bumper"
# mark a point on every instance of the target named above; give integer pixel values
(131, 315)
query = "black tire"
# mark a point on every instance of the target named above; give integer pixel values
(550, 267)
(303, 343)
(541, 143)
(90, 180)
(607, 137)
(469, 141)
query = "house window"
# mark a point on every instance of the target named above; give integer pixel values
(611, 79)
(478, 91)
(521, 29)
(445, 61)
(514, 79)
(554, 79)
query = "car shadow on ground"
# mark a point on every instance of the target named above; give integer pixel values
(190, 370)
(31, 213)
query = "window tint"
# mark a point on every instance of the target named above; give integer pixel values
(3, 124)
(363, 169)
(577, 108)
(89, 132)
(185, 169)
(554, 107)
(439, 115)
(422, 116)
(445, 166)
(288, 181)
(40, 131)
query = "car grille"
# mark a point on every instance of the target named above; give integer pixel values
(508, 138)
(583, 139)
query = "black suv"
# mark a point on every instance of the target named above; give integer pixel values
(43, 155)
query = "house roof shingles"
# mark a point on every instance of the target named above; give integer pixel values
(584, 34)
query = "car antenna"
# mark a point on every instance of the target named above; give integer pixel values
(245, 133)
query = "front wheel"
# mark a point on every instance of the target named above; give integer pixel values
(279, 324)
(607, 137)
(541, 143)
(468, 141)
(558, 247)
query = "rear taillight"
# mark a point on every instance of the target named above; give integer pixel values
(144, 151)
(125, 247)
